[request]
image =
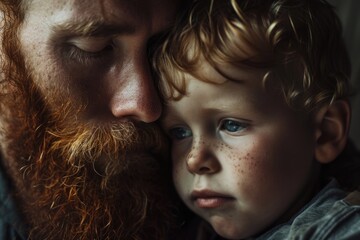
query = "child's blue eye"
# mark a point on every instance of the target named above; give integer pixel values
(233, 126)
(179, 133)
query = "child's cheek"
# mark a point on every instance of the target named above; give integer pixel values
(249, 167)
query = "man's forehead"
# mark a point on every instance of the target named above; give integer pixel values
(109, 8)
(60, 9)
(95, 13)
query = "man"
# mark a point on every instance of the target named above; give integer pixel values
(79, 155)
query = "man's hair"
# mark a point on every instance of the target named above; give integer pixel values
(297, 42)
(12, 13)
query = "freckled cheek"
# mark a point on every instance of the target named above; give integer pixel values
(242, 158)
(249, 168)
(267, 172)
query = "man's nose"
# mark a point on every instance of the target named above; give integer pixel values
(134, 96)
(202, 160)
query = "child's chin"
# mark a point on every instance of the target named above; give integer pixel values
(232, 232)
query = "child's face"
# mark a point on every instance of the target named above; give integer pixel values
(242, 159)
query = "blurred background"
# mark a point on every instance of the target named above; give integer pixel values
(349, 13)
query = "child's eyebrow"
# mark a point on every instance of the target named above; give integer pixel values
(220, 74)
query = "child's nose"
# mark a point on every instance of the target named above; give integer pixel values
(201, 160)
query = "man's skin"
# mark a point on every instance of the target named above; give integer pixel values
(76, 100)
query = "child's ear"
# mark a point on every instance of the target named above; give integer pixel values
(331, 130)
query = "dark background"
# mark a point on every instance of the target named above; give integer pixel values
(349, 13)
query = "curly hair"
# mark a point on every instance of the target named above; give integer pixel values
(298, 42)
(12, 63)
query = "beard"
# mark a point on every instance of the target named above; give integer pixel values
(85, 180)
(93, 184)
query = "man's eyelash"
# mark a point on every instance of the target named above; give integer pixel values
(74, 53)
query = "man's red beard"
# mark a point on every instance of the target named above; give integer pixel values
(86, 180)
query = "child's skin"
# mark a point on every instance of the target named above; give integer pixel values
(255, 107)
(242, 158)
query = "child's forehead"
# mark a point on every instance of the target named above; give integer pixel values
(221, 72)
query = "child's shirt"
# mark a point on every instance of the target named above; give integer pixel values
(331, 214)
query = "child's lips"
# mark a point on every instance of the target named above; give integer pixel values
(210, 199)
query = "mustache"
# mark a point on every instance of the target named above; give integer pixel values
(109, 146)
(92, 141)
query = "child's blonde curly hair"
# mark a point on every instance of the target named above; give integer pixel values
(298, 42)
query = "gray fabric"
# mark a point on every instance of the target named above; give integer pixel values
(332, 214)
(328, 216)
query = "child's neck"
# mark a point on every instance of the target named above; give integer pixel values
(311, 188)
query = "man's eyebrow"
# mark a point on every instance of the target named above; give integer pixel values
(91, 28)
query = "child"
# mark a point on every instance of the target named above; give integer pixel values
(257, 111)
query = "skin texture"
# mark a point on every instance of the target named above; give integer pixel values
(246, 175)
(109, 72)
(77, 137)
